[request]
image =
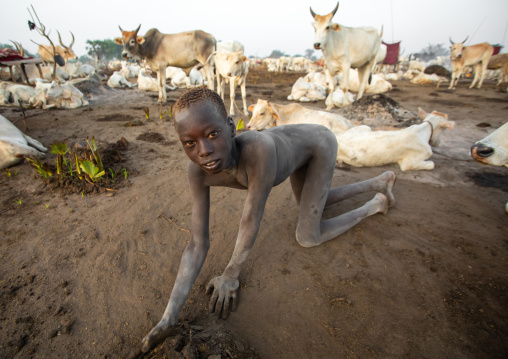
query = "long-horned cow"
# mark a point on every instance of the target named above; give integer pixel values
(66, 52)
(346, 47)
(184, 50)
(475, 55)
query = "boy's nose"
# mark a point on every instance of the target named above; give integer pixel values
(205, 149)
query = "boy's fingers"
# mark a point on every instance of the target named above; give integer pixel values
(213, 301)
(225, 308)
(234, 302)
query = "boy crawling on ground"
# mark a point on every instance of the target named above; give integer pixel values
(256, 162)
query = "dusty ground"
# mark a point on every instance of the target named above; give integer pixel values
(86, 276)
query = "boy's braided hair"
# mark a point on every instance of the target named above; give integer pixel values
(198, 94)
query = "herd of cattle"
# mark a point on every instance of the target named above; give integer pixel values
(351, 61)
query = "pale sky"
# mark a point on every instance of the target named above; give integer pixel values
(260, 25)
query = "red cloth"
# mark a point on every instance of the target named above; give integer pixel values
(497, 48)
(392, 53)
(10, 55)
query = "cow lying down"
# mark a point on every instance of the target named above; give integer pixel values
(493, 149)
(15, 145)
(409, 147)
(266, 115)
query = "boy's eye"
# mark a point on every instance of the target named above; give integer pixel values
(213, 134)
(188, 143)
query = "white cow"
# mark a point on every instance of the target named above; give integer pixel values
(417, 66)
(423, 79)
(345, 48)
(15, 145)
(17, 92)
(377, 84)
(493, 149)
(177, 75)
(148, 83)
(409, 147)
(230, 45)
(337, 98)
(232, 67)
(65, 95)
(266, 115)
(380, 56)
(40, 100)
(87, 69)
(118, 80)
(305, 91)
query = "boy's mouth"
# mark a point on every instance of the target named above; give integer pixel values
(211, 165)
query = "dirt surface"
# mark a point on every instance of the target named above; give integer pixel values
(88, 275)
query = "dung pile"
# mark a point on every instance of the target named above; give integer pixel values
(378, 111)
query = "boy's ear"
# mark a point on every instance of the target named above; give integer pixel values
(232, 127)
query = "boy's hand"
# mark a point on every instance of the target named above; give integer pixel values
(225, 292)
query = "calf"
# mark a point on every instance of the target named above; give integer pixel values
(15, 145)
(410, 147)
(266, 115)
(118, 80)
(307, 91)
(232, 67)
(493, 149)
(148, 83)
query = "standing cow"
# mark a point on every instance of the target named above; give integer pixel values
(346, 47)
(184, 50)
(475, 55)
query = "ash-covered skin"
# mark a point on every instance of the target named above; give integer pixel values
(256, 162)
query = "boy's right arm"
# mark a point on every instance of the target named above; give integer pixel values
(190, 265)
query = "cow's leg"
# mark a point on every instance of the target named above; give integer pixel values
(410, 164)
(363, 76)
(345, 82)
(232, 86)
(161, 78)
(477, 69)
(244, 96)
(210, 76)
(311, 186)
(219, 80)
(483, 66)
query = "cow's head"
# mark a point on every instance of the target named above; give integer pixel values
(493, 149)
(439, 122)
(68, 52)
(264, 116)
(456, 49)
(322, 27)
(130, 41)
(233, 62)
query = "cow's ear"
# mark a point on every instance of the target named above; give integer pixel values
(244, 58)
(140, 39)
(118, 41)
(336, 27)
(449, 125)
(251, 108)
(422, 113)
(274, 111)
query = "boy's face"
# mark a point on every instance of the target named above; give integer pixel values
(206, 137)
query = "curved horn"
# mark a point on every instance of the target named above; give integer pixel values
(120, 28)
(60, 39)
(335, 10)
(465, 39)
(312, 13)
(15, 44)
(451, 41)
(136, 31)
(72, 42)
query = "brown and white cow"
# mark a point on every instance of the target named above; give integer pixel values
(66, 52)
(345, 48)
(184, 50)
(475, 55)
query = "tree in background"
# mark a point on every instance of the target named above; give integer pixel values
(103, 49)
(308, 53)
(432, 51)
(276, 54)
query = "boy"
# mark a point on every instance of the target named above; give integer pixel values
(255, 161)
